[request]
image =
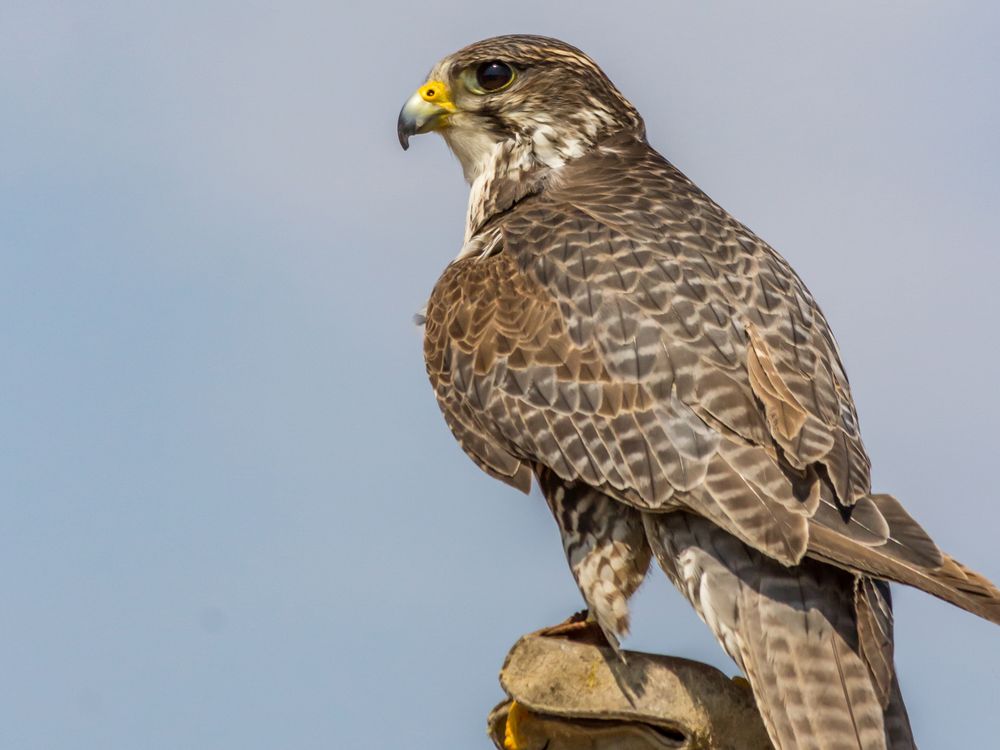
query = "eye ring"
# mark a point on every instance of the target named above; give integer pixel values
(493, 76)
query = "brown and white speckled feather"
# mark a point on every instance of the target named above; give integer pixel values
(611, 328)
(625, 357)
(606, 547)
(667, 304)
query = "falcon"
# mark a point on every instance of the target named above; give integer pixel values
(674, 390)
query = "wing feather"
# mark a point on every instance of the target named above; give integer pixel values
(630, 334)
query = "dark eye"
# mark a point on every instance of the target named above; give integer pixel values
(494, 75)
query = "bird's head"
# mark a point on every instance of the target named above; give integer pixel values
(532, 100)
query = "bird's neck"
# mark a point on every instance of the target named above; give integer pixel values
(507, 174)
(514, 169)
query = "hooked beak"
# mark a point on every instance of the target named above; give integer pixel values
(426, 110)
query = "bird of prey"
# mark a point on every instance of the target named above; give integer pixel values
(673, 388)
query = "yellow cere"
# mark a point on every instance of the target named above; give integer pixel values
(436, 92)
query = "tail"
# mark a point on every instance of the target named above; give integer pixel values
(898, 734)
(820, 668)
(873, 607)
(904, 554)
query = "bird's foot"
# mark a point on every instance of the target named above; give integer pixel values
(579, 627)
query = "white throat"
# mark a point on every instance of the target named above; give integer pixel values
(506, 165)
(502, 172)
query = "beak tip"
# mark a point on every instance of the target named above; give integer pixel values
(405, 127)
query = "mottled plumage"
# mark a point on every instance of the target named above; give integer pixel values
(671, 382)
(605, 545)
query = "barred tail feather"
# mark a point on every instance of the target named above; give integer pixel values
(795, 633)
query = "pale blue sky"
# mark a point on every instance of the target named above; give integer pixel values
(232, 516)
